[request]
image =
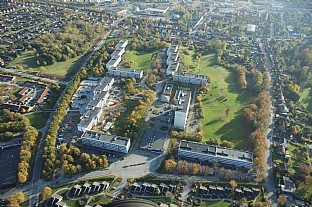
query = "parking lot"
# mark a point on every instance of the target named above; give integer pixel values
(158, 126)
(9, 157)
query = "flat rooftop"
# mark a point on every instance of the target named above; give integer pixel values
(191, 75)
(106, 138)
(183, 98)
(130, 70)
(168, 89)
(216, 151)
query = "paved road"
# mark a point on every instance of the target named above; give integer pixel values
(27, 75)
(269, 183)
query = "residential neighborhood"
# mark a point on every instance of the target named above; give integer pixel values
(155, 103)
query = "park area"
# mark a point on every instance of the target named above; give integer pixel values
(38, 119)
(59, 69)
(223, 95)
(126, 109)
(139, 60)
(306, 99)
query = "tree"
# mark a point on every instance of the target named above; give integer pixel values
(20, 197)
(157, 191)
(42, 69)
(281, 200)
(46, 193)
(305, 169)
(228, 111)
(21, 177)
(233, 184)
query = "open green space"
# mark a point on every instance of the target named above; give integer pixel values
(306, 99)
(122, 119)
(215, 204)
(139, 60)
(162, 200)
(58, 69)
(305, 188)
(100, 199)
(224, 94)
(38, 120)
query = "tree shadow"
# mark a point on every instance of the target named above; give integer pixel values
(29, 61)
(236, 131)
(243, 95)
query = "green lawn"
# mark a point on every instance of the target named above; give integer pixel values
(215, 204)
(59, 69)
(38, 120)
(122, 119)
(215, 123)
(140, 61)
(306, 99)
(100, 199)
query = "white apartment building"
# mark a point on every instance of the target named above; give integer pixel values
(190, 78)
(180, 116)
(211, 154)
(94, 108)
(105, 141)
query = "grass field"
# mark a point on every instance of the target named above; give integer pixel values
(100, 199)
(59, 69)
(306, 99)
(223, 94)
(122, 119)
(215, 204)
(38, 120)
(140, 61)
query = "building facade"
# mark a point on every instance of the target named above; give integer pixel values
(183, 99)
(190, 78)
(212, 154)
(105, 141)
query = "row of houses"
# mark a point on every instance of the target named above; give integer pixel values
(215, 154)
(151, 188)
(106, 141)
(116, 57)
(217, 192)
(56, 201)
(7, 78)
(95, 107)
(95, 187)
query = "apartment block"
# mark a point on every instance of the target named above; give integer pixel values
(183, 99)
(211, 154)
(106, 141)
(190, 78)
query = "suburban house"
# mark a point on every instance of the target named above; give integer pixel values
(183, 99)
(289, 185)
(212, 154)
(106, 141)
